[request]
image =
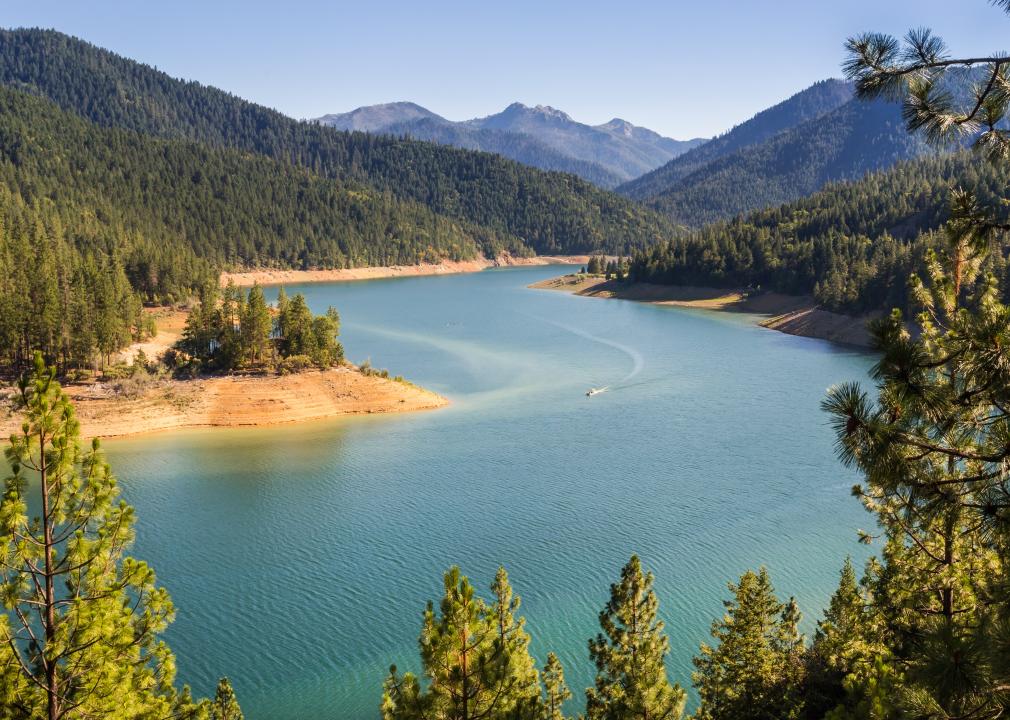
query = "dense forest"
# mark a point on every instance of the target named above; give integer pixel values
(112, 218)
(548, 212)
(224, 207)
(852, 246)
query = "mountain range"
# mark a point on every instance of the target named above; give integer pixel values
(541, 136)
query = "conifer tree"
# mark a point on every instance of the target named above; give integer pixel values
(750, 673)
(840, 634)
(933, 445)
(556, 692)
(474, 658)
(256, 326)
(520, 682)
(297, 333)
(630, 655)
(80, 635)
(225, 705)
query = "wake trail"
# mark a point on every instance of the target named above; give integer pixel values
(638, 362)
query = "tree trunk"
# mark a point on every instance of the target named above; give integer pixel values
(52, 682)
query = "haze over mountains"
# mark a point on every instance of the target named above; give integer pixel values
(542, 136)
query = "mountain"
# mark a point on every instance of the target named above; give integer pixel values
(815, 101)
(520, 147)
(502, 203)
(843, 144)
(541, 136)
(375, 118)
(621, 147)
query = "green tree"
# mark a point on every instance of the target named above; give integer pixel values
(933, 444)
(630, 655)
(80, 634)
(256, 326)
(474, 657)
(225, 705)
(298, 336)
(752, 672)
(556, 692)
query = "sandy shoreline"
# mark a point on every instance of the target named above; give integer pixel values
(268, 276)
(795, 315)
(238, 401)
(129, 407)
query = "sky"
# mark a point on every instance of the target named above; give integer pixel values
(685, 69)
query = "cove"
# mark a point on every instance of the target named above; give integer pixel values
(300, 557)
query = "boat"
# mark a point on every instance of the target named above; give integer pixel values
(594, 391)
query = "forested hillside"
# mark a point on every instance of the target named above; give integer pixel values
(815, 101)
(550, 212)
(110, 217)
(853, 245)
(844, 144)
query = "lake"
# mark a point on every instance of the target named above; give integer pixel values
(300, 558)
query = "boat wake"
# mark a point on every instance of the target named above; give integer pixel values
(637, 361)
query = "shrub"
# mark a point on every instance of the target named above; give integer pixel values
(294, 363)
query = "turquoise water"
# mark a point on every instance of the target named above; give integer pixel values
(300, 558)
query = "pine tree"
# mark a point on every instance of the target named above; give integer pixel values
(225, 705)
(256, 327)
(556, 692)
(750, 673)
(475, 660)
(931, 449)
(520, 683)
(81, 634)
(299, 337)
(840, 636)
(630, 654)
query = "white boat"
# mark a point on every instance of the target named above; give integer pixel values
(594, 391)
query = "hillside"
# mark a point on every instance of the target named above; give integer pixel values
(852, 245)
(541, 136)
(817, 100)
(217, 206)
(545, 212)
(844, 144)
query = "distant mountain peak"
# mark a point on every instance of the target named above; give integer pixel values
(546, 112)
(619, 127)
(375, 118)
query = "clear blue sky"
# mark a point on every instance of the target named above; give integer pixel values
(682, 68)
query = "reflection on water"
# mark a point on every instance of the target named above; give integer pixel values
(300, 557)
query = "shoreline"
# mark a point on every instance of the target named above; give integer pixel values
(233, 401)
(118, 408)
(791, 314)
(272, 276)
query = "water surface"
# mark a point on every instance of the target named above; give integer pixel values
(300, 558)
